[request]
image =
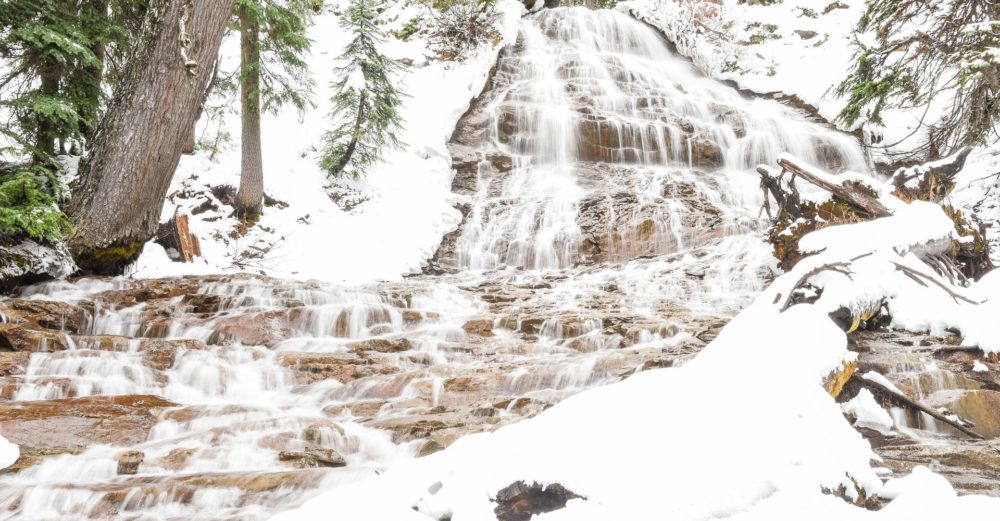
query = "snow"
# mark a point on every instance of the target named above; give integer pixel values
(9, 453)
(980, 367)
(752, 401)
(868, 413)
(786, 63)
(406, 201)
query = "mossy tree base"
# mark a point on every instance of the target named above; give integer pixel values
(110, 260)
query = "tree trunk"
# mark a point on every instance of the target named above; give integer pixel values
(125, 177)
(250, 198)
(358, 122)
(97, 8)
(46, 133)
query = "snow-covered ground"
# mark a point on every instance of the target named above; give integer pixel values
(744, 431)
(408, 203)
(805, 49)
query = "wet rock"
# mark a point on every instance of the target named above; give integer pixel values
(382, 345)
(202, 304)
(429, 447)
(56, 316)
(982, 408)
(479, 327)
(520, 501)
(27, 262)
(14, 337)
(175, 460)
(81, 422)
(463, 384)
(312, 458)
(129, 461)
(161, 354)
(412, 316)
(258, 329)
(323, 434)
(13, 364)
(343, 367)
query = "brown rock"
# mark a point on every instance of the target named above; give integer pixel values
(128, 462)
(479, 327)
(313, 458)
(81, 422)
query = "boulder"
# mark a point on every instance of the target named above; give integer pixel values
(81, 422)
(129, 461)
(28, 262)
(312, 458)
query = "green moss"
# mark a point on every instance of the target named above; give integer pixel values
(110, 260)
(28, 206)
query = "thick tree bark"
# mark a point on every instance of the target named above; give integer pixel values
(125, 177)
(46, 134)
(96, 72)
(250, 199)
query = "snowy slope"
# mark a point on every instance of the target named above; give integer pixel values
(808, 52)
(408, 201)
(745, 431)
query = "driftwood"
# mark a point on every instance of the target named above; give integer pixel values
(913, 404)
(942, 171)
(175, 234)
(770, 182)
(852, 193)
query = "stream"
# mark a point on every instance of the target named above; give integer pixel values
(612, 224)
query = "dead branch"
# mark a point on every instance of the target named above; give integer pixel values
(917, 276)
(913, 404)
(839, 267)
(855, 195)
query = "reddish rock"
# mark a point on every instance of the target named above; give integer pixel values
(81, 422)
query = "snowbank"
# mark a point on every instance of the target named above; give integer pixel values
(9, 453)
(791, 48)
(744, 431)
(406, 202)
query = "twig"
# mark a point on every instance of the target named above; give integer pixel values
(913, 274)
(913, 404)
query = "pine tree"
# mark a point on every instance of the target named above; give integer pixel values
(927, 50)
(273, 74)
(366, 101)
(54, 52)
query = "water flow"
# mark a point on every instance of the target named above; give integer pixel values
(592, 103)
(625, 225)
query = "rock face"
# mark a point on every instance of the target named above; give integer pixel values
(949, 383)
(520, 501)
(80, 423)
(28, 262)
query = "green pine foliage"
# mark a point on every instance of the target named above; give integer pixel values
(284, 76)
(910, 54)
(366, 102)
(28, 207)
(53, 52)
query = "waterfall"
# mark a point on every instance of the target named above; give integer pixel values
(614, 219)
(592, 102)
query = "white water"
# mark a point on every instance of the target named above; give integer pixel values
(574, 322)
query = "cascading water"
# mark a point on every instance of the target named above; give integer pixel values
(613, 223)
(592, 105)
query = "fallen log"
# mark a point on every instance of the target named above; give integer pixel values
(851, 192)
(901, 398)
(933, 175)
